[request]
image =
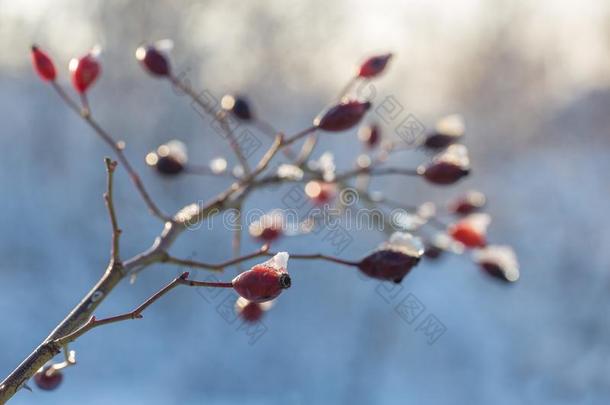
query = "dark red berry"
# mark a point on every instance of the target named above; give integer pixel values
(370, 135)
(499, 262)
(169, 159)
(447, 131)
(43, 64)
(237, 105)
(394, 259)
(471, 230)
(320, 192)
(470, 202)
(342, 116)
(374, 65)
(447, 167)
(48, 379)
(265, 281)
(84, 71)
(153, 60)
(251, 311)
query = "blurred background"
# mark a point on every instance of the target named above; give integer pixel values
(532, 80)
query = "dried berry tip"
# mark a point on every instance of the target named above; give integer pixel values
(285, 281)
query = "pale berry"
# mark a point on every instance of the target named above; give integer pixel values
(393, 260)
(264, 281)
(373, 66)
(342, 116)
(499, 262)
(320, 192)
(370, 135)
(43, 64)
(48, 379)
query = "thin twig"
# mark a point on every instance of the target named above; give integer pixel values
(216, 266)
(109, 199)
(220, 116)
(319, 256)
(300, 135)
(137, 313)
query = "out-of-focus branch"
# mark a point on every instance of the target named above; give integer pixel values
(220, 116)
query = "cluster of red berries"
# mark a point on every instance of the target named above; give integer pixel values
(84, 71)
(391, 261)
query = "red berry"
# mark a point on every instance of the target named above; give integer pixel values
(169, 159)
(342, 116)
(374, 65)
(48, 379)
(84, 71)
(264, 281)
(499, 262)
(43, 64)
(153, 60)
(370, 135)
(394, 259)
(251, 311)
(447, 167)
(447, 131)
(320, 192)
(239, 106)
(470, 202)
(471, 230)
(269, 227)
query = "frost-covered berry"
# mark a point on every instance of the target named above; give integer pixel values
(48, 379)
(468, 203)
(169, 159)
(498, 261)
(251, 311)
(448, 130)
(268, 227)
(447, 167)
(264, 281)
(471, 231)
(342, 116)
(394, 258)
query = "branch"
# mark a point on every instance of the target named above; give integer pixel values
(217, 266)
(108, 198)
(319, 256)
(117, 148)
(137, 313)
